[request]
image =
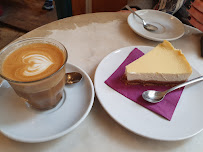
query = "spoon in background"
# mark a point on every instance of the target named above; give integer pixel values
(146, 25)
(156, 96)
(73, 77)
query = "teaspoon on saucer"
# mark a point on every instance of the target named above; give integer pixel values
(156, 96)
(73, 77)
(146, 25)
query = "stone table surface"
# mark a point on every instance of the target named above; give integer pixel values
(88, 39)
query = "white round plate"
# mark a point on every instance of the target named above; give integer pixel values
(24, 124)
(187, 119)
(169, 27)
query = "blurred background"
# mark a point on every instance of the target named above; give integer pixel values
(18, 17)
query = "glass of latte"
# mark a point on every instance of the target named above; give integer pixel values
(35, 69)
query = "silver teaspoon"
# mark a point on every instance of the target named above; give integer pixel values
(73, 77)
(156, 96)
(146, 25)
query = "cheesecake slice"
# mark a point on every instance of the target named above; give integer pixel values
(164, 65)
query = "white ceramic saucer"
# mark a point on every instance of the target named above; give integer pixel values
(24, 124)
(169, 27)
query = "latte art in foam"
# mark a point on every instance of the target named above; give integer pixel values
(36, 64)
(33, 62)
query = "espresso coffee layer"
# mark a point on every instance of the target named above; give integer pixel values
(33, 62)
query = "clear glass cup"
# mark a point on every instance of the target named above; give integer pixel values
(42, 94)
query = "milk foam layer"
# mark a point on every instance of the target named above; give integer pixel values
(33, 62)
(36, 64)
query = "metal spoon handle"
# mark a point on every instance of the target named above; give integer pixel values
(184, 84)
(128, 7)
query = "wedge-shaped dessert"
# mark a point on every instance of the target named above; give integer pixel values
(164, 65)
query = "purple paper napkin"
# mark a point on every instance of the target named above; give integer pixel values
(164, 108)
